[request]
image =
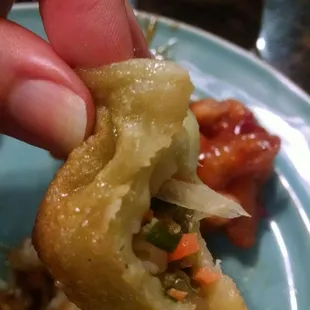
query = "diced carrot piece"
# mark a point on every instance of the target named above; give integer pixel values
(176, 294)
(188, 245)
(205, 276)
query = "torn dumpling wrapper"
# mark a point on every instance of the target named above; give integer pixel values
(145, 144)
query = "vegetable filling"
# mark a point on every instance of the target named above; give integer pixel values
(168, 247)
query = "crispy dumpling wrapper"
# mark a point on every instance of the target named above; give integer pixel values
(97, 200)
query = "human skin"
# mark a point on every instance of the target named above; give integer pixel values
(42, 100)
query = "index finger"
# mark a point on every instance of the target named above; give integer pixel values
(93, 32)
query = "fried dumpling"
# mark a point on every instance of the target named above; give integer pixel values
(94, 229)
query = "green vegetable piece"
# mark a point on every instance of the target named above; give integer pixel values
(182, 216)
(165, 234)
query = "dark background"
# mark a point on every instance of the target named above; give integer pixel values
(284, 25)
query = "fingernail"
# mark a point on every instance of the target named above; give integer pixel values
(139, 43)
(51, 111)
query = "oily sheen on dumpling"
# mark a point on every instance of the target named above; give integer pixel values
(96, 202)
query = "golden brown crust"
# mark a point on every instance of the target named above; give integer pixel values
(95, 203)
(78, 236)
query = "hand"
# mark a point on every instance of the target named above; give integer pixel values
(42, 101)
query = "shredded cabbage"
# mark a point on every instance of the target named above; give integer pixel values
(200, 198)
(185, 189)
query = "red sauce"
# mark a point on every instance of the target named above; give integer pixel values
(236, 159)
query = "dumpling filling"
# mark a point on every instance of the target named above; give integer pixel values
(168, 248)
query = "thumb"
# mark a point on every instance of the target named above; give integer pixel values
(42, 101)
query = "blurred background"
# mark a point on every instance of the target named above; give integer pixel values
(277, 31)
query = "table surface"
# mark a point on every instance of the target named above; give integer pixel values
(278, 29)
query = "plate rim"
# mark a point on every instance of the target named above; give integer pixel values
(279, 76)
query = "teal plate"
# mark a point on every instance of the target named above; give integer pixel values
(275, 274)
